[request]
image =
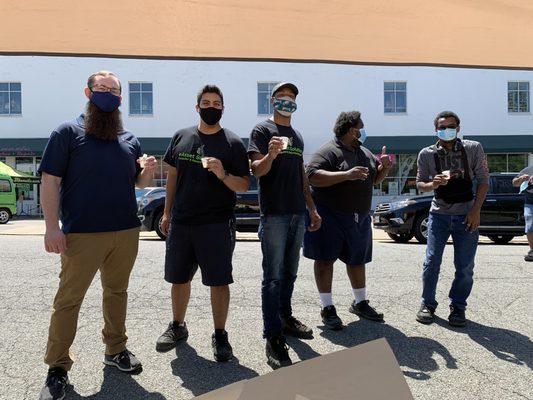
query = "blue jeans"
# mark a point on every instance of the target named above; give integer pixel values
(281, 239)
(465, 243)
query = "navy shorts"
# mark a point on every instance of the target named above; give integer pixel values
(209, 246)
(344, 236)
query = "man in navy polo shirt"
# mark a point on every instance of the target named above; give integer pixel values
(90, 168)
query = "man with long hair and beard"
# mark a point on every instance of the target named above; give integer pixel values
(93, 155)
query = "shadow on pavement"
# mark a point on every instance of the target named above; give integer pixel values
(200, 375)
(118, 385)
(413, 352)
(505, 344)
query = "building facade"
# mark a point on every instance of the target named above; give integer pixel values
(398, 105)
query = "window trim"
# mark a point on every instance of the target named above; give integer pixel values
(273, 83)
(393, 113)
(528, 111)
(140, 91)
(9, 91)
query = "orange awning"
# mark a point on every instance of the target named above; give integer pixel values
(486, 33)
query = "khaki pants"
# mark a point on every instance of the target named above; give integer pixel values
(113, 253)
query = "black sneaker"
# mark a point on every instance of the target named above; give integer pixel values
(277, 352)
(55, 386)
(221, 348)
(124, 361)
(363, 310)
(330, 318)
(292, 327)
(426, 315)
(174, 334)
(529, 256)
(456, 317)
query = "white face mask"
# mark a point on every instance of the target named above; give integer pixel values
(447, 134)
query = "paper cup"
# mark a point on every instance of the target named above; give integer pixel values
(204, 161)
(285, 141)
(143, 160)
(447, 174)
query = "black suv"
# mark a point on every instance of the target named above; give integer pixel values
(502, 214)
(151, 206)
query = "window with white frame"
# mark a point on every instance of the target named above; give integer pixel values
(264, 89)
(518, 97)
(395, 97)
(141, 98)
(10, 98)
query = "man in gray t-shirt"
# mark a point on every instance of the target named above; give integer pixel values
(449, 168)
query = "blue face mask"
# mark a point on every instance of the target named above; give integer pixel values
(285, 106)
(447, 134)
(105, 101)
(362, 136)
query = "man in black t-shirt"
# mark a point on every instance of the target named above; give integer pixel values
(276, 150)
(343, 174)
(207, 165)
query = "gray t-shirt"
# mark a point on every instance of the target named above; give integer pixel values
(452, 160)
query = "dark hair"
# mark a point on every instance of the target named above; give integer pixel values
(209, 89)
(447, 114)
(345, 121)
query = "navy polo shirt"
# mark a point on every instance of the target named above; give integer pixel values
(98, 178)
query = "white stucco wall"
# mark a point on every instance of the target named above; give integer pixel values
(52, 91)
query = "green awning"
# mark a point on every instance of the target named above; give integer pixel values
(18, 176)
(395, 144)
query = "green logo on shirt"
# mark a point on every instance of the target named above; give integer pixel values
(195, 158)
(295, 151)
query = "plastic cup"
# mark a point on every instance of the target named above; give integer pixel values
(204, 161)
(285, 141)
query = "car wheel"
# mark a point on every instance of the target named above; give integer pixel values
(421, 228)
(501, 239)
(400, 237)
(157, 225)
(5, 215)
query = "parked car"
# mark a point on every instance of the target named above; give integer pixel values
(8, 199)
(502, 214)
(151, 205)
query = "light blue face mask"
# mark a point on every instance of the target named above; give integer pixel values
(362, 136)
(447, 134)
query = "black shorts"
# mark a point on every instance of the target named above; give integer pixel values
(209, 246)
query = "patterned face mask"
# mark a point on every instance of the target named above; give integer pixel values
(285, 106)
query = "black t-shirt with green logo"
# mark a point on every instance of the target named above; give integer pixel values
(201, 197)
(281, 190)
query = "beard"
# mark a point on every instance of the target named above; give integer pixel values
(102, 125)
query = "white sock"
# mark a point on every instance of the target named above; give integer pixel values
(326, 299)
(359, 294)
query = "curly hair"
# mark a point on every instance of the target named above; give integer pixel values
(446, 114)
(345, 121)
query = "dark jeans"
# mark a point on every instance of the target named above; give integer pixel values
(281, 239)
(465, 243)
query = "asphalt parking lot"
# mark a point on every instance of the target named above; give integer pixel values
(491, 358)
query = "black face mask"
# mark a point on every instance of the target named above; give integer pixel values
(211, 115)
